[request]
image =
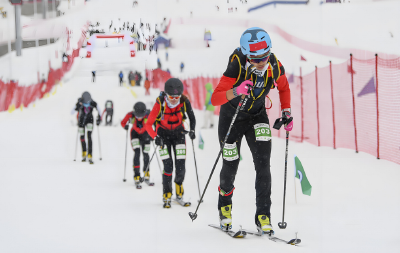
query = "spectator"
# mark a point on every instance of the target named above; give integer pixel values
(182, 66)
(158, 63)
(121, 76)
(131, 78)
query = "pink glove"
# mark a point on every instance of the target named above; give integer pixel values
(243, 88)
(289, 126)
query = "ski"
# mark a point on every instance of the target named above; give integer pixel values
(182, 203)
(234, 234)
(138, 186)
(273, 238)
(149, 183)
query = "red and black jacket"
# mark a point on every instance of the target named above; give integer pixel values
(169, 118)
(236, 73)
(138, 125)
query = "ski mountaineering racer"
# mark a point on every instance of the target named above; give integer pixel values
(252, 59)
(169, 113)
(85, 106)
(139, 139)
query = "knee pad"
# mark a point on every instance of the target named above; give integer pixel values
(180, 151)
(135, 143)
(81, 131)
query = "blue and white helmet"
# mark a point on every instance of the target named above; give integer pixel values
(255, 41)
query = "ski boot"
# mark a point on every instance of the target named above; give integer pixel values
(167, 200)
(137, 182)
(147, 178)
(84, 156)
(264, 225)
(90, 158)
(179, 195)
(225, 217)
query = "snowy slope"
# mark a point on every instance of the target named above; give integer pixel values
(49, 203)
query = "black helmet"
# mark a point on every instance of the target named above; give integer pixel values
(173, 86)
(86, 98)
(139, 109)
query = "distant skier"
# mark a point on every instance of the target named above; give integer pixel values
(93, 76)
(265, 72)
(169, 112)
(208, 107)
(182, 66)
(121, 76)
(109, 110)
(139, 139)
(85, 106)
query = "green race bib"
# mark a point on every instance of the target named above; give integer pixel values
(180, 150)
(262, 132)
(164, 153)
(135, 143)
(230, 152)
(146, 148)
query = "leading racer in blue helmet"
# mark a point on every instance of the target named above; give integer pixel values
(252, 70)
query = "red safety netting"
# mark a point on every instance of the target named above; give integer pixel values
(352, 105)
(11, 94)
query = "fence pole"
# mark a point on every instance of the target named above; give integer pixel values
(377, 105)
(354, 104)
(333, 107)
(316, 92)
(302, 112)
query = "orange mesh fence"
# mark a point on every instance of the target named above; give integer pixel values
(352, 105)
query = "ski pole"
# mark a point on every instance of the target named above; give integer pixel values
(283, 224)
(158, 162)
(148, 165)
(76, 144)
(241, 105)
(195, 165)
(126, 150)
(98, 134)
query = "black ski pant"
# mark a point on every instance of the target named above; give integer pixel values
(174, 141)
(140, 141)
(86, 122)
(120, 81)
(261, 152)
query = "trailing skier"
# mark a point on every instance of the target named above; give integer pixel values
(85, 106)
(109, 110)
(139, 139)
(252, 121)
(168, 114)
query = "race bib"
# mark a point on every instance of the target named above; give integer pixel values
(89, 127)
(180, 150)
(262, 132)
(146, 148)
(109, 105)
(164, 154)
(135, 143)
(230, 152)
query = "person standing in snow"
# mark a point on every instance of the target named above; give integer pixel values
(208, 107)
(139, 139)
(169, 113)
(85, 106)
(109, 110)
(253, 61)
(121, 76)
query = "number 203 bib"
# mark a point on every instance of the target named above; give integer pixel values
(262, 132)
